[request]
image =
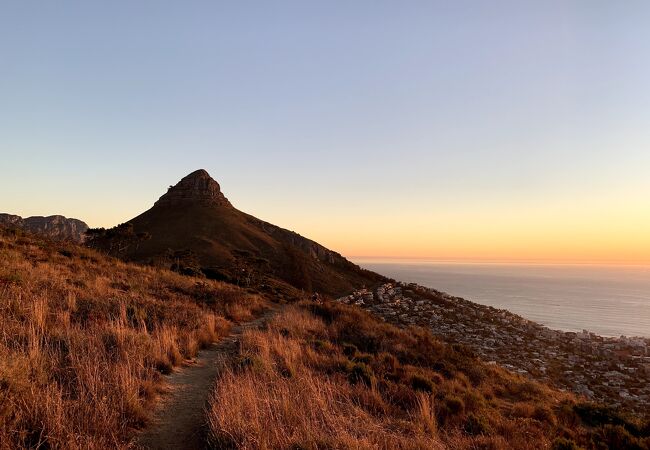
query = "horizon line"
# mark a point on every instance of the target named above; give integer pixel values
(425, 259)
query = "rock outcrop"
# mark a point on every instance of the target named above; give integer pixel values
(196, 188)
(54, 227)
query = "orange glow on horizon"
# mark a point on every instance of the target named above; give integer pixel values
(591, 232)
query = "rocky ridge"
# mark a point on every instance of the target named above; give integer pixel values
(55, 227)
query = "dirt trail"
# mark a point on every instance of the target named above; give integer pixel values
(179, 419)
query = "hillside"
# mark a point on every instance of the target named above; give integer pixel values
(85, 338)
(331, 376)
(194, 229)
(54, 227)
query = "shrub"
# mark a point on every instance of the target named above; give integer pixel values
(595, 415)
(475, 372)
(65, 252)
(474, 401)
(321, 345)
(436, 378)
(645, 428)
(476, 425)
(455, 405)
(11, 278)
(543, 414)
(360, 372)
(616, 436)
(420, 383)
(365, 358)
(526, 390)
(388, 361)
(450, 409)
(564, 444)
(401, 396)
(350, 350)
(567, 415)
(250, 362)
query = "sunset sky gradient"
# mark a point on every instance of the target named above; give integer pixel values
(503, 130)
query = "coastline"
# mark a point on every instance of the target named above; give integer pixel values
(609, 301)
(615, 370)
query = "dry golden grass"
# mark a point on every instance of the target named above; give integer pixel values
(330, 376)
(83, 340)
(277, 401)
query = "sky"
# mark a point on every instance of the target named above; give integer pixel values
(464, 130)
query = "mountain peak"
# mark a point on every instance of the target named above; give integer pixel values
(196, 188)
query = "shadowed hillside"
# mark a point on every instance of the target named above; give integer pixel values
(194, 229)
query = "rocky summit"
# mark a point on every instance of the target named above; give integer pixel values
(198, 187)
(54, 227)
(195, 230)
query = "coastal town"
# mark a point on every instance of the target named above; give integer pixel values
(615, 371)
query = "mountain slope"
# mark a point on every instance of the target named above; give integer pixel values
(193, 227)
(333, 376)
(84, 340)
(54, 227)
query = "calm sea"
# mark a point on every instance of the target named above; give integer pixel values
(607, 300)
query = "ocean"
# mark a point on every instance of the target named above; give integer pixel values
(606, 300)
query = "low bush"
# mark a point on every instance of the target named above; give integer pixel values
(454, 405)
(359, 372)
(564, 444)
(476, 425)
(421, 383)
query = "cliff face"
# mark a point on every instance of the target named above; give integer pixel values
(54, 227)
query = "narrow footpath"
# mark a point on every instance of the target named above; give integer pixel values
(179, 419)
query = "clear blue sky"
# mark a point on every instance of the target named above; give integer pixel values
(378, 128)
